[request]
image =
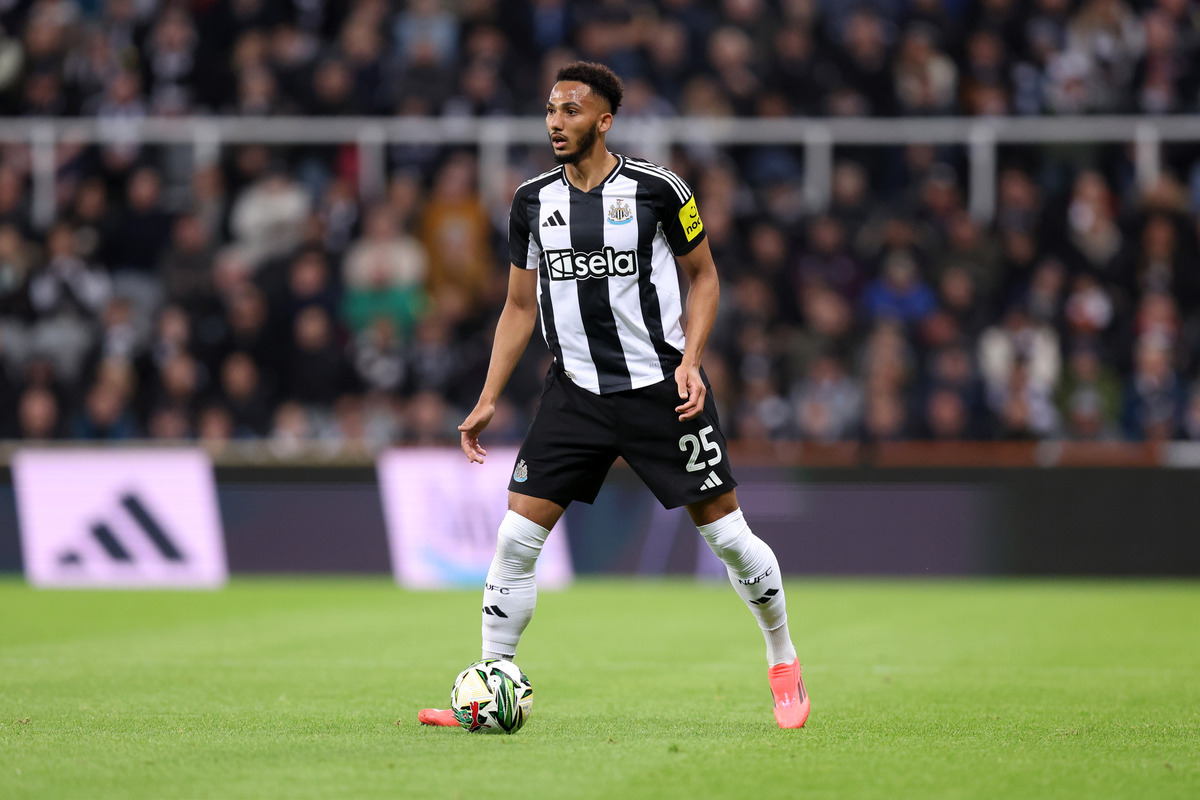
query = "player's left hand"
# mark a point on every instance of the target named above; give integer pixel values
(472, 426)
(691, 391)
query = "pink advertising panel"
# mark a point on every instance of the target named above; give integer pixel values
(119, 519)
(442, 513)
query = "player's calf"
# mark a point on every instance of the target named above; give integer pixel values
(754, 572)
(510, 592)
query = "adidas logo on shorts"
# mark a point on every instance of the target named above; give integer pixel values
(711, 482)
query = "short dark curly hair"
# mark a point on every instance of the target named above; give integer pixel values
(598, 77)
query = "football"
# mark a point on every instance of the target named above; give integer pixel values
(492, 696)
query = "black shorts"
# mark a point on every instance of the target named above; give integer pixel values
(576, 436)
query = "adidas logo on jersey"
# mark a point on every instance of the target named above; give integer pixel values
(554, 220)
(711, 482)
(567, 265)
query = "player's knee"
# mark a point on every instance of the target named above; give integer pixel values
(519, 538)
(515, 554)
(539, 511)
(727, 536)
(714, 509)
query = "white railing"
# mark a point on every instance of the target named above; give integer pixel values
(651, 138)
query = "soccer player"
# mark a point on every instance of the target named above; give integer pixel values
(594, 244)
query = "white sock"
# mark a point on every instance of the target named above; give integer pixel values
(754, 573)
(510, 594)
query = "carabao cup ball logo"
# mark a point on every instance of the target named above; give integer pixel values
(492, 696)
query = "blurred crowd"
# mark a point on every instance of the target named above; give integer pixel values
(122, 58)
(262, 298)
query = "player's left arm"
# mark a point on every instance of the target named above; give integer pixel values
(704, 295)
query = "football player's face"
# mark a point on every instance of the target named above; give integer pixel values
(574, 118)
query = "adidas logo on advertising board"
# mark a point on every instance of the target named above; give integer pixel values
(120, 519)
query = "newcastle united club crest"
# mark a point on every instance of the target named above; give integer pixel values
(521, 472)
(619, 212)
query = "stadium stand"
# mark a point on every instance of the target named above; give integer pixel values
(260, 297)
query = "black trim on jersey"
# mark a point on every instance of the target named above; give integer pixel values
(595, 306)
(667, 203)
(616, 171)
(521, 224)
(533, 208)
(609, 178)
(547, 307)
(668, 357)
(682, 191)
(686, 247)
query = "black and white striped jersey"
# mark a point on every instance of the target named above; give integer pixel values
(608, 290)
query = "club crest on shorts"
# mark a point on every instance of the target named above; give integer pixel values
(521, 472)
(619, 213)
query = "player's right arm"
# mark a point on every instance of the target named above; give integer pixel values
(512, 335)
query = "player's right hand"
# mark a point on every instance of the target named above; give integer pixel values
(472, 426)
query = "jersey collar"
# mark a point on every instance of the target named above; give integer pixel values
(612, 176)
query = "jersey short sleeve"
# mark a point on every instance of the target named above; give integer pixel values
(681, 221)
(518, 232)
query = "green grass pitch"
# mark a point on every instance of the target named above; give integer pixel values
(310, 688)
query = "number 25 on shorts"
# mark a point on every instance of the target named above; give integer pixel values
(689, 441)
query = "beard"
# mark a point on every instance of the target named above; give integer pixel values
(585, 145)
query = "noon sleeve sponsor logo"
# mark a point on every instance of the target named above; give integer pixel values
(568, 265)
(689, 218)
